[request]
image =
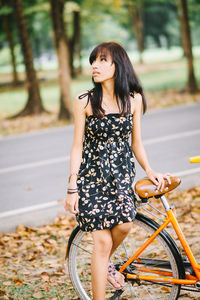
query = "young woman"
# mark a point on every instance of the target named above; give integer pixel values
(102, 169)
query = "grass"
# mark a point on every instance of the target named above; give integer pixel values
(170, 77)
(168, 73)
(14, 100)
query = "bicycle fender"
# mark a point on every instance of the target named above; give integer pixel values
(166, 236)
(73, 234)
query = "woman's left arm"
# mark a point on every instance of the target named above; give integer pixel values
(138, 148)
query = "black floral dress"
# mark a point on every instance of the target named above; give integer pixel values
(106, 174)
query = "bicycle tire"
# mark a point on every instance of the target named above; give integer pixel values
(78, 262)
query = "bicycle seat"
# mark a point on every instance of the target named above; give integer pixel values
(145, 188)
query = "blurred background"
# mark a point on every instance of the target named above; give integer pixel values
(45, 45)
(44, 51)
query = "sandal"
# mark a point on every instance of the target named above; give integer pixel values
(114, 277)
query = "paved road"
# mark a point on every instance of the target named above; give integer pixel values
(34, 167)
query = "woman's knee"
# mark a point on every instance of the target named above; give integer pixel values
(123, 229)
(103, 242)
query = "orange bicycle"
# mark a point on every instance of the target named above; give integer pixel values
(149, 258)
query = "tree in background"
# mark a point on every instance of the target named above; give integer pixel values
(194, 17)
(40, 30)
(187, 45)
(75, 42)
(7, 20)
(159, 23)
(84, 26)
(151, 18)
(34, 103)
(60, 39)
(135, 8)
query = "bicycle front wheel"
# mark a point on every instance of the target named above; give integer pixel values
(156, 258)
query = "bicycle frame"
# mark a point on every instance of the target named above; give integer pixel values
(190, 279)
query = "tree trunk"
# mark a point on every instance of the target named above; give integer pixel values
(75, 44)
(60, 39)
(183, 40)
(183, 10)
(77, 35)
(71, 57)
(9, 35)
(135, 11)
(157, 40)
(34, 103)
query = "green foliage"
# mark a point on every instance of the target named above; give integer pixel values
(194, 15)
(41, 36)
(106, 20)
(38, 21)
(160, 19)
(103, 21)
(100, 21)
(5, 10)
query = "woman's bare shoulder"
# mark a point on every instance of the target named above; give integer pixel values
(136, 101)
(81, 102)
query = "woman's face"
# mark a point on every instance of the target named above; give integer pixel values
(103, 68)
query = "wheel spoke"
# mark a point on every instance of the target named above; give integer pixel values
(81, 248)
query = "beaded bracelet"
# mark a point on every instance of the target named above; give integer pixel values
(68, 192)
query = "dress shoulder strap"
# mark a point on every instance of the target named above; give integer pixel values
(88, 93)
(131, 94)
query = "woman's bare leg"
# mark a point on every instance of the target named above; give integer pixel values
(119, 232)
(99, 262)
(105, 243)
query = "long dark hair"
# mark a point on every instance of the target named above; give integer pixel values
(125, 79)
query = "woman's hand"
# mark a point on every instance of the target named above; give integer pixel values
(71, 203)
(158, 178)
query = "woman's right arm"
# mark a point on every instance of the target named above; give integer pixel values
(71, 201)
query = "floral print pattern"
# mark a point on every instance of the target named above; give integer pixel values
(106, 174)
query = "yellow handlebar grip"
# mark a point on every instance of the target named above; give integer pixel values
(195, 159)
